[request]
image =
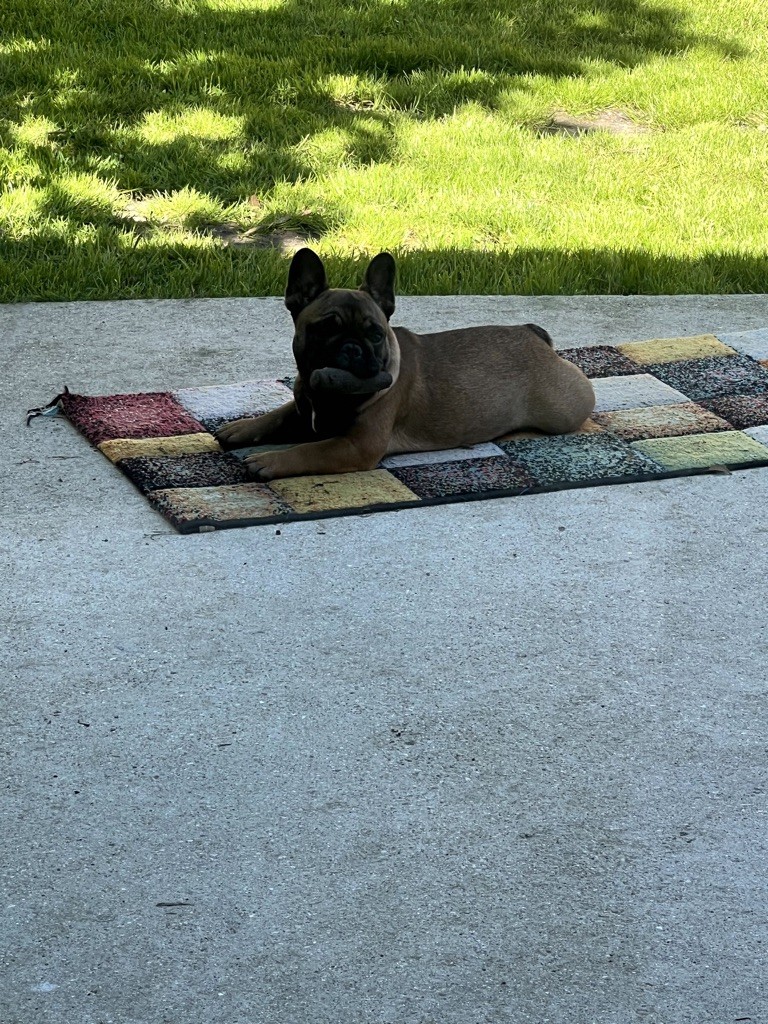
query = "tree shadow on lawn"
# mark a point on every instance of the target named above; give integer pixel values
(44, 266)
(100, 70)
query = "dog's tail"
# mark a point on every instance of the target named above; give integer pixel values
(544, 335)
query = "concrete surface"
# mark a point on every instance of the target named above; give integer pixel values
(495, 762)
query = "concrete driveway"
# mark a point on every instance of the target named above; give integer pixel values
(495, 762)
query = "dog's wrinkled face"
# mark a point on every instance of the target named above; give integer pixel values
(345, 335)
(341, 342)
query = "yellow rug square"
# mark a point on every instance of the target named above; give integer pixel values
(698, 451)
(341, 490)
(673, 350)
(179, 444)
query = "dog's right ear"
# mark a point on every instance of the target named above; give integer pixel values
(380, 282)
(306, 280)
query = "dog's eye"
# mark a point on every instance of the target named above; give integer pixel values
(324, 328)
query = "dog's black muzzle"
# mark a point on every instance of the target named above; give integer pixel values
(357, 359)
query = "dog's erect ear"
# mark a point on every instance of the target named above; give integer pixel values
(380, 282)
(306, 280)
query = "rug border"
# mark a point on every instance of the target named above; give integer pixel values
(215, 526)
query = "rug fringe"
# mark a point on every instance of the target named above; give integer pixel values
(51, 409)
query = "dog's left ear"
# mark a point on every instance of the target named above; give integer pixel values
(306, 280)
(380, 282)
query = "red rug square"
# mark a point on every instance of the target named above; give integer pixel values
(106, 417)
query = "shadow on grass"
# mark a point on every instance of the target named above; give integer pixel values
(158, 95)
(109, 266)
(97, 70)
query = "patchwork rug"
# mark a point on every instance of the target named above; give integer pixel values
(666, 407)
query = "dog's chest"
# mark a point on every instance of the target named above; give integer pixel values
(332, 419)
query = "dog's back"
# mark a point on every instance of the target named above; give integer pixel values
(471, 385)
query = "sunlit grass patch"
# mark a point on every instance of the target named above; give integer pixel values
(158, 127)
(21, 209)
(81, 198)
(33, 131)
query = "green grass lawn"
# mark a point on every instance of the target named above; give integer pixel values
(164, 148)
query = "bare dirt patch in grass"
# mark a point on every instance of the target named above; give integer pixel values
(614, 121)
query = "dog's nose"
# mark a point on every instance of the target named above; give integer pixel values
(350, 356)
(357, 359)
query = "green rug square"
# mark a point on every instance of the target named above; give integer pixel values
(700, 451)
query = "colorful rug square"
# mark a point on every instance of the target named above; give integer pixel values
(182, 444)
(217, 404)
(750, 343)
(638, 392)
(222, 402)
(700, 451)
(660, 421)
(148, 414)
(577, 457)
(674, 350)
(478, 476)
(332, 492)
(759, 434)
(666, 407)
(197, 509)
(740, 410)
(206, 469)
(713, 377)
(600, 361)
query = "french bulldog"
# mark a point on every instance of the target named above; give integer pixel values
(365, 389)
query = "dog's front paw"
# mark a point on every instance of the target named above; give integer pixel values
(239, 433)
(268, 465)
